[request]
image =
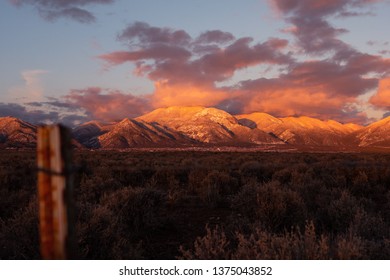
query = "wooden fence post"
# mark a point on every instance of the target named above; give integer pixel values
(55, 192)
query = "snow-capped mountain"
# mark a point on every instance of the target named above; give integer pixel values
(199, 126)
(375, 135)
(17, 133)
(208, 125)
(137, 133)
(301, 130)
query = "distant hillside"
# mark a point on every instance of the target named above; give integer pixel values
(181, 127)
(17, 133)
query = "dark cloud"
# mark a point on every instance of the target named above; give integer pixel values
(214, 36)
(233, 106)
(177, 58)
(310, 24)
(61, 104)
(71, 9)
(385, 115)
(53, 103)
(319, 8)
(74, 13)
(317, 36)
(141, 33)
(44, 112)
(21, 112)
(74, 120)
(350, 79)
(325, 76)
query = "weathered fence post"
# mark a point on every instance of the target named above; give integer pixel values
(54, 154)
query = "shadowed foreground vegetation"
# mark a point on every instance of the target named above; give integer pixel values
(204, 205)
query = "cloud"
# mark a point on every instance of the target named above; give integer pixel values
(32, 90)
(34, 116)
(80, 105)
(382, 97)
(173, 56)
(166, 95)
(187, 71)
(310, 24)
(318, 88)
(108, 105)
(287, 96)
(55, 9)
(143, 34)
(33, 82)
(214, 36)
(318, 8)
(74, 13)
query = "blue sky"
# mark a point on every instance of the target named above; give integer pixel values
(51, 57)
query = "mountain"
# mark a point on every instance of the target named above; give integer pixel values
(87, 134)
(374, 135)
(17, 133)
(137, 133)
(301, 130)
(208, 125)
(199, 126)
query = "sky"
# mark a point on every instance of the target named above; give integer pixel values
(73, 61)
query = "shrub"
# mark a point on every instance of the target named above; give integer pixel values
(19, 235)
(291, 245)
(136, 209)
(284, 176)
(278, 207)
(341, 212)
(260, 244)
(102, 236)
(245, 201)
(164, 179)
(213, 246)
(262, 171)
(349, 247)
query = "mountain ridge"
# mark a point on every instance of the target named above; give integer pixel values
(191, 126)
(302, 130)
(17, 133)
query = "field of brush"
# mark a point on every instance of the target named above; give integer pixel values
(209, 205)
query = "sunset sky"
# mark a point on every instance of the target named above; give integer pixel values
(77, 60)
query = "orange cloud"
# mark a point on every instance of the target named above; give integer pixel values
(190, 71)
(297, 101)
(108, 105)
(382, 98)
(166, 95)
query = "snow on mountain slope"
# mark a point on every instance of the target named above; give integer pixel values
(131, 133)
(188, 126)
(208, 125)
(302, 130)
(15, 132)
(375, 135)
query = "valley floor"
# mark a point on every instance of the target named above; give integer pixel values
(160, 204)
